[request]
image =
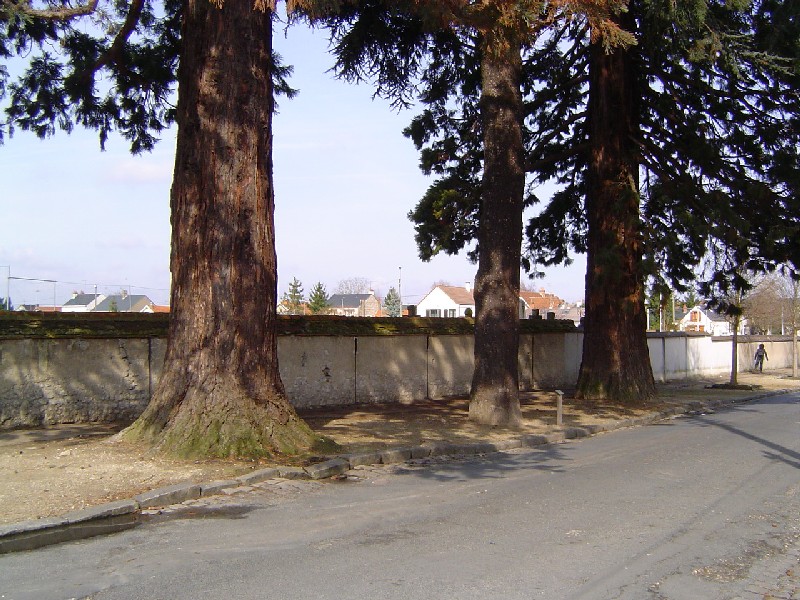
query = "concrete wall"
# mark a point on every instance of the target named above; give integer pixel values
(48, 381)
(76, 380)
(319, 367)
(449, 365)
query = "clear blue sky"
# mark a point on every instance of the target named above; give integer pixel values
(345, 178)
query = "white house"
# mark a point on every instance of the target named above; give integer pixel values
(456, 301)
(81, 302)
(447, 301)
(704, 320)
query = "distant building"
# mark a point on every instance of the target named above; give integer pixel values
(701, 319)
(354, 305)
(541, 301)
(81, 302)
(38, 308)
(447, 301)
(457, 301)
(570, 312)
(124, 302)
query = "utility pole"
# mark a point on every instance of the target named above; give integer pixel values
(8, 286)
(400, 288)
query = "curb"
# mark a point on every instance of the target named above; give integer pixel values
(125, 514)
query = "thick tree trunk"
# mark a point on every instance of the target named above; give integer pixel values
(220, 393)
(494, 399)
(616, 360)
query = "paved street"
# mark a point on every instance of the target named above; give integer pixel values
(701, 507)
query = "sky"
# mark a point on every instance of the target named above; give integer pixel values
(345, 179)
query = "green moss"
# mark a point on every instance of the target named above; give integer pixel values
(325, 445)
(17, 325)
(82, 325)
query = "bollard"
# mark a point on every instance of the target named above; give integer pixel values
(560, 408)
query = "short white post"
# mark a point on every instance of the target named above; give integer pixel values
(560, 408)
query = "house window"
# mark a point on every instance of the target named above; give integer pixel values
(451, 312)
(433, 312)
(694, 316)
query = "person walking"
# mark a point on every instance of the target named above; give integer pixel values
(758, 359)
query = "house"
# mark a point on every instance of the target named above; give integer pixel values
(285, 309)
(81, 302)
(570, 312)
(541, 301)
(447, 301)
(456, 301)
(38, 308)
(702, 319)
(125, 302)
(355, 305)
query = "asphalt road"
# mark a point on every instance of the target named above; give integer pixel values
(704, 507)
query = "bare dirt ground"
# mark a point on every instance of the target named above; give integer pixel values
(48, 472)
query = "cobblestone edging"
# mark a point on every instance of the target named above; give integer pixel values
(124, 514)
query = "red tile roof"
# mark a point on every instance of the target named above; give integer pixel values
(459, 295)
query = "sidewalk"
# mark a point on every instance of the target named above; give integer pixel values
(73, 481)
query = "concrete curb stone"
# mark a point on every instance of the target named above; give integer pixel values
(124, 514)
(418, 452)
(329, 468)
(291, 473)
(365, 459)
(395, 455)
(215, 487)
(172, 494)
(110, 509)
(441, 448)
(258, 476)
(504, 445)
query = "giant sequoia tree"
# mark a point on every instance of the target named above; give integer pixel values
(702, 111)
(396, 42)
(220, 393)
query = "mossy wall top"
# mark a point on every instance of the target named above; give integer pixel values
(145, 325)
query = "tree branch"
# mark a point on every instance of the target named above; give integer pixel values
(114, 51)
(51, 14)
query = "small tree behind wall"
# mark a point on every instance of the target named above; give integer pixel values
(318, 300)
(293, 299)
(394, 307)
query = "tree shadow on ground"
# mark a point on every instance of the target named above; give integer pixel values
(373, 427)
(772, 450)
(548, 458)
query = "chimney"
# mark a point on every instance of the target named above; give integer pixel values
(468, 286)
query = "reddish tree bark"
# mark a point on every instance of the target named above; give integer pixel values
(221, 393)
(494, 398)
(616, 360)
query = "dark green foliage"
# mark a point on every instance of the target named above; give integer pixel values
(719, 143)
(80, 74)
(719, 136)
(6, 304)
(105, 82)
(318, 300)
(293, 300)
